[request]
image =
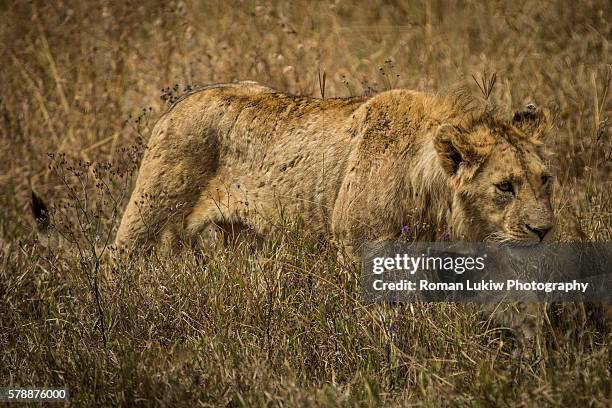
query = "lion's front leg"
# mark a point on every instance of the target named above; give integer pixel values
(524, 319)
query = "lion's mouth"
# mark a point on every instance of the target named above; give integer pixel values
(512, 240)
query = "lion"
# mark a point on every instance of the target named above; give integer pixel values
(353, 169)
(356, 169)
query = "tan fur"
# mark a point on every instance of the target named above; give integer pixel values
(357, 168)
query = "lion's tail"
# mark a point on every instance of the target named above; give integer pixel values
(40, 214)
(48, 235)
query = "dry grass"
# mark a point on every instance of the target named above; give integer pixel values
(282, 324)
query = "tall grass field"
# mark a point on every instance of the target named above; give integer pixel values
(277, 322)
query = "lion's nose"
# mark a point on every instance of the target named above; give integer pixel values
(539, 231)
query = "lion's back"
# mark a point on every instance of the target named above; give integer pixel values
(259, 145)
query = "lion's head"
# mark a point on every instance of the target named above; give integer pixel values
(502, 186)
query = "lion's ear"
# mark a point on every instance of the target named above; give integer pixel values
(453, 148)
(532, 121)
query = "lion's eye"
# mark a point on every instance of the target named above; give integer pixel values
(545, 179)
(506, 187)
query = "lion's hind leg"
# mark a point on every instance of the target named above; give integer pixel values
(152, 216)
(164, 194)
